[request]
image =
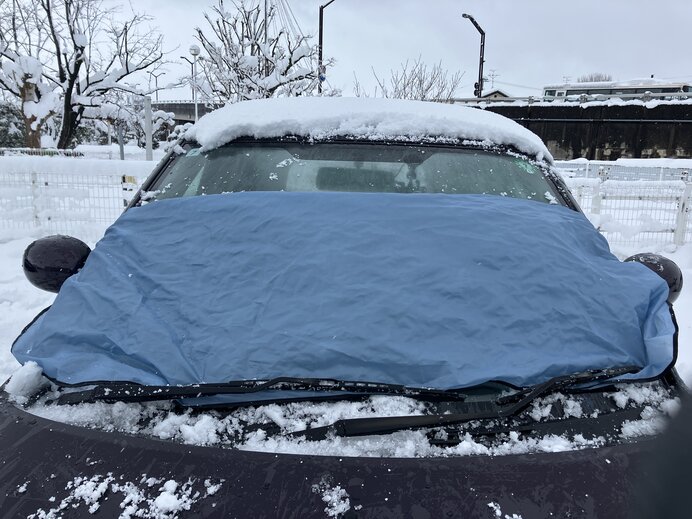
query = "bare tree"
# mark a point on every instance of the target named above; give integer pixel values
(415, 80)
(594, 77)
(61, 57)
(247, 59)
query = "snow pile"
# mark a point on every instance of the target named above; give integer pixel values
(150, 498)
(658, 405)
(362, 118)
(497, 511)
(25, 382)
(335, 497)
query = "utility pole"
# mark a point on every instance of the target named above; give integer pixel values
(478, 87)
(321, 72)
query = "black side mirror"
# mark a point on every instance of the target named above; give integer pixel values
(665, 268)
(49, 261)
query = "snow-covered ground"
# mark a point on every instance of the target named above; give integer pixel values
(112, 152)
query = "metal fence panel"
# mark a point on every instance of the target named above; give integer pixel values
(640, 212)
(66, 196)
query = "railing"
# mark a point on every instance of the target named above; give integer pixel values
(39, 152)
(674, 97)
(629, 170)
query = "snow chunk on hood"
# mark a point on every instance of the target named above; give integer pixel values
(26, 381)
(362, 118)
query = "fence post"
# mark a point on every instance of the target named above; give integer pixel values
(34, 199)
(681, 216)
(596, 199)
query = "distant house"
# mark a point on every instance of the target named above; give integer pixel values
(495, 94)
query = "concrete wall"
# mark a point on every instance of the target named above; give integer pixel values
(608, 132)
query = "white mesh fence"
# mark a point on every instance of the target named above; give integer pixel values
(634, 170)
(73, 196)
(82, 197)
(640, 212)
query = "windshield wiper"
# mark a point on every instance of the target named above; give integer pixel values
(129, 392)
(391, 424)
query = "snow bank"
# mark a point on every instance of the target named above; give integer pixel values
(362, 118)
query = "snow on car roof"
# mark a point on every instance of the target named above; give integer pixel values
(362, 118)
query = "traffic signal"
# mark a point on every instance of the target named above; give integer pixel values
(476, 89)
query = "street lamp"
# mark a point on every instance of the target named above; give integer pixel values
(194, 50)
(156, 82)
(321, 72)
(478, 87)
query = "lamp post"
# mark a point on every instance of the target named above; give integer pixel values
(478, 87)
(156, 82)
(321, 72)
(194, 50)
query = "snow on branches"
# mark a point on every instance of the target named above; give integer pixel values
(62, 57)
(248, 58)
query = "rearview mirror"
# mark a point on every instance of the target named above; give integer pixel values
(49, 261)
(665, 268)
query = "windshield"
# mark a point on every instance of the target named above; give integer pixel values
(356, 167)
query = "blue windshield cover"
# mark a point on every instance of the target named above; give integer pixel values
(417, 289)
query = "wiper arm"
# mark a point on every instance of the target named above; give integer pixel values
(391, 424)
(129, 392)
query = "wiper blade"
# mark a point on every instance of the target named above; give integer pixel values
(391, 424)
(129, 392)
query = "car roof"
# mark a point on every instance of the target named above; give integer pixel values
(323, 118)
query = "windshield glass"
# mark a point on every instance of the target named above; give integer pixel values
(356, 167)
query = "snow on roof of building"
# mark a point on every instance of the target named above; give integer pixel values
(637, 82)
(362, 118)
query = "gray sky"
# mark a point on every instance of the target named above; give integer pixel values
(529, 44)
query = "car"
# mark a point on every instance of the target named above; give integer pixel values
(334, 307)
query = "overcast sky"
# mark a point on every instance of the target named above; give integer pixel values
(529, 43)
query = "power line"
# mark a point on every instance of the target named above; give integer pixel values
(519, 86)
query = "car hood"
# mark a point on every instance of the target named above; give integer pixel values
(53, 467)
(420, 290)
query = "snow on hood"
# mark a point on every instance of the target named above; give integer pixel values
(362, 118)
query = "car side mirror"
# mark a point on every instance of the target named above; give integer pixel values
(49, 261)
(665, 268)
